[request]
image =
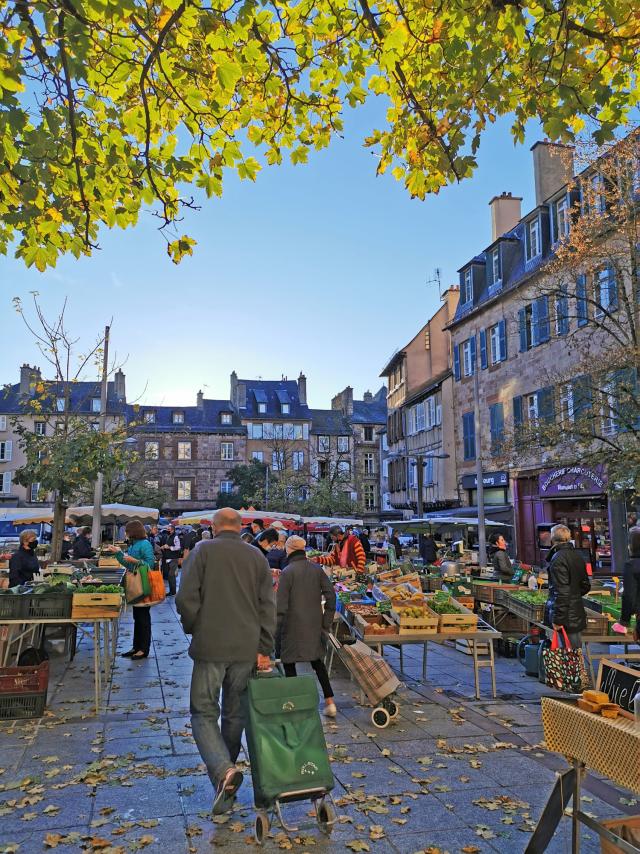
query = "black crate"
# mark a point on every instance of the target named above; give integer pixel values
(16, 706)
(49, 606)
(13, 606)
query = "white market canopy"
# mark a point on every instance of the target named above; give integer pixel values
(330, 520)
(112, 513)
(26, 515)
(194, 517)
(419, 526)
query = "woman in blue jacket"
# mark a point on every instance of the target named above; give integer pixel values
(139, 551)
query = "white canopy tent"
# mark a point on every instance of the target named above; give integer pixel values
(112, 513)
(330, 520)
(194, 517)
(427, 523)
(26, 515)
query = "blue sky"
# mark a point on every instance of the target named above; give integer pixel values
(321, 268)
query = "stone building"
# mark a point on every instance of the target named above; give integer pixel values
(419, 430)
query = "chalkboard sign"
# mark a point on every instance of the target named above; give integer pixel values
(620, 683)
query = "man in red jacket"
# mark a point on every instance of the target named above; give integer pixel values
(347, 551)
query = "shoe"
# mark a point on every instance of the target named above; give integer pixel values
(136, 656)
(619, 629)
(226, 791)
(127, 654)
(330, 711)
(170, 593)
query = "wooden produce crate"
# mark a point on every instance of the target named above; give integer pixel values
(466, 646)
(94, 606)
(467, 601)
(532, 613)
(488, 591)
(463, 621)
(414, 626)
(390, 574)
(108, 562)
(431, 583)
(363, 625)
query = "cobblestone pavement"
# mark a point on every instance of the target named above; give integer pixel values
(452, 774)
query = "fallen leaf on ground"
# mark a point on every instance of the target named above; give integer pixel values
(357, 845)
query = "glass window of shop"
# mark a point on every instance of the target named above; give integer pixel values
(492, 495)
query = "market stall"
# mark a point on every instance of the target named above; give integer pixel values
(112, 513)
(291, 521)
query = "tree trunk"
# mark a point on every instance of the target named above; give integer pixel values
(59, 513)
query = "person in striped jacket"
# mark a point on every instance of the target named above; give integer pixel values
(347, 551)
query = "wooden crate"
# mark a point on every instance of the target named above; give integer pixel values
(431, 583)
(465, 646)
(94, 606)
(413, 626)
(362, 626)
(625, 826)
(489, 591)
(389, 575)
(597, 624)
(467, 601)
(463, 621)
(108, 562)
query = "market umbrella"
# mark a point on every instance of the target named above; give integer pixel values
(26, 515)
(330, 520)
(112, 513)
(422, 526)
(197, 517)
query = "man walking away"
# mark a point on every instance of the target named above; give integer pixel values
(226, 603)
(171, 554)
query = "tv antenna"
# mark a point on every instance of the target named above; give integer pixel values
(436, 279)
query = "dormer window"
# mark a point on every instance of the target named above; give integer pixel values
(496, 267)
(285, 408)
(178, 416)
(59, 404)
(533, 247)
(226, 418)
(560, 218)
(149, 417)
(95, 404)
(467, 286)
(262, 408)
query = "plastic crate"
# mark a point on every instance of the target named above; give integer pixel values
(49, 606)
(15, 706)
(23, 679)
(13, 605)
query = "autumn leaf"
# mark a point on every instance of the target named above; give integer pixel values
(357, 845)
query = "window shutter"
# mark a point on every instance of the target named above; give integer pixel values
(6, 481)
(582, 312)
(456, 361)
(502, 334)
(562, 312)
(522, 325)
(517, 411)
(8, 450)
(483, 349)
(546, 405)
(472, 345)
(582, 396)
(3, 422)
(439, 414)
(613, 289)
(542, 319)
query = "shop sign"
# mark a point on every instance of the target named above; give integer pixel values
(573, 480)
(496, 478)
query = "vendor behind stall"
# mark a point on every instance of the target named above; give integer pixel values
(500, 559)
(23, 564)
(347, 551)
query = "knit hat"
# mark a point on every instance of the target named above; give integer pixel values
(295, 544)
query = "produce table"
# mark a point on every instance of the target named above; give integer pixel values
(105, 633)
(610, 747)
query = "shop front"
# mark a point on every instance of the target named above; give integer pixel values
(575, 496)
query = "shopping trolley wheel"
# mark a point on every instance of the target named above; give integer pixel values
(380, 717)
(393, 708)
(261, 827)
(326, 817)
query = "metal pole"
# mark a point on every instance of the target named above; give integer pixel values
(420, 478)
(96, 526)
(482, 540)
(266, 487)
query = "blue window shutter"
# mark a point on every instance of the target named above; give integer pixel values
(562, 312)
(613, 289)
(534, 324)
(581, 388)
(542, 325)
(517, 411)
(472, 345)
(502, 334)
(582, 312)
(522, 324)
(496, 421)
(456, 361)
(483, 349)
(546, 404)
(469, 436)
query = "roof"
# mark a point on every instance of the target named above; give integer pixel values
(329, 422)
(393, 360)
(196, 420)
(273, 393)
(427, 387)
(371, 412)
(80, 396)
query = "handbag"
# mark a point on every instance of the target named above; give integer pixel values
(137, 585)
(564, 666)
(156, 584)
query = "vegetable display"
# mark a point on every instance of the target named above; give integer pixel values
(442, 604)
(531, 597)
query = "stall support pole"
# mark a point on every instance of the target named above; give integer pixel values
(96, 522)
(482, 538)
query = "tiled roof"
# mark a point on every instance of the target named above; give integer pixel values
(371, 412)
(274, 393)
(196, 420)
(80, 397)
(327, 422)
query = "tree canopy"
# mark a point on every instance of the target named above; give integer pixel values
(108, 107)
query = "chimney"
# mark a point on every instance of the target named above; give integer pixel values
(119, 386)
(552, 168)
(242, 396)
(233, 394)
(505, 214)
(302, 389)
(28, 378)
(343, 402)
(368, 397)
(200, 400)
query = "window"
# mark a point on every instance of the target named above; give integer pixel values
(149, 417)
(267, 430)
(428, 478)
(40, 428)
(469, 357)
(469, 436)
(257, 455)
(177, 417)
(6, 451)
(226, 418)
(369, 464)
(5, 482)
(344, 467)
(598, 200)
(262, 408)
(532, 408)
(226, 486)
(368, 434)
(416, 419)
(534, 324)
(277, 460)
(343, 444)
(467, 286)
(226, 450)
(324, 444)
(498, 342)
(60, 404)
(184, 490)
(323, 469)
(255, 431)
(34, 492)
(561, 219)
(288, 431)
(496, 268)
(297, 460)
(152, 485)
(431, 413)
(533, 244)
(566, 404)
(95, 426)
(3, 423)
(184, 450)
(412, 474)
(582, 306)
(95, 404)
(285, 408)
(370, 497)
(151, 450)
(606, 291)
(496, 425)
(59, 428)
(562, 312)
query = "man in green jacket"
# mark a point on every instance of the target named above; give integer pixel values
(226, 603)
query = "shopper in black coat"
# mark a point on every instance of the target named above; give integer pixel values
(568, 583)
(428, 549)
(23, 564)
(631, 589)
(82, 545)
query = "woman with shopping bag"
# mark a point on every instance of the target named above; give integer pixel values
(139, 561)
(568, 583)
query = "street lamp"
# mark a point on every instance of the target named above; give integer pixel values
(419, 461)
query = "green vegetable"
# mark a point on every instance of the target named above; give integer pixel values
(531, 597)
(100, 588)
(442, 604)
